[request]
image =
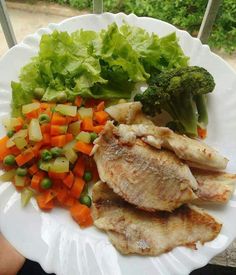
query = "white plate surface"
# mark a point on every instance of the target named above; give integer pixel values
(54, 239)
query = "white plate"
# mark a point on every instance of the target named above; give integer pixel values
(55, 240)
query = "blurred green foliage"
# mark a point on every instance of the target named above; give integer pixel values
(184, 14)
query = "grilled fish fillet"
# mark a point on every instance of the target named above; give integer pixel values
(135, 231)
(148, 178)
(214, 187)
(196, 153)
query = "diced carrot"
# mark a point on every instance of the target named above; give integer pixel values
(77, 187)
(49, 195)
(37, 147)
(70, 119)
(59, 176)
(33, 169)
(41, 200)
(98, 129)
(58, 130)
(85, 148)
(78, 101)
(58, 119)
(79, 167)
(62, 194)
(69, 180)
(20, 125)
(46, 106)
(202, 133)
(36, 179)
(101, 117)
(81, 214)
(46, 139)
(45, 128)
(58, 141)
(32, 114)
(69, 137)
(70, 201)
(15, 151)
(4, 151)
(87, 124)
(24, 157)
(101, 106)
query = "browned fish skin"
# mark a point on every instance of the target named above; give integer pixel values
(135, 231)
(148, 178)
(214, 187)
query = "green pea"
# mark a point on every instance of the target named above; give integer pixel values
(56, 151)
(44, 118)
(21, 172)
(9, 160)
(46, 183)
(87, 176)
(46, 155)
(61, 97)
(86, 200)
(93, 136)
(10, 133)
(39, 92)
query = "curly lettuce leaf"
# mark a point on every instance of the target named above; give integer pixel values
(19, 98)
(99, 65)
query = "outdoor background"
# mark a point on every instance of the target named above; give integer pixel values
(27, 16)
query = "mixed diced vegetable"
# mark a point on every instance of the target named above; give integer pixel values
(46, 154)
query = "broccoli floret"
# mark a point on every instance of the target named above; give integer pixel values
(181, 93)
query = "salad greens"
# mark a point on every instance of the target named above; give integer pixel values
(103, 65)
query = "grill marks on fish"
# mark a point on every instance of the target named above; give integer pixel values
(136, 231)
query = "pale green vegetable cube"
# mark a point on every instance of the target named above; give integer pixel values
(20, 142)
(46, 165)
(10, 142)
(69, 145)
(26, 195)
(19, 181)
(84, 137)
(21, 133)
(66, 110)
(85, 112)
(74, 128)
(11, 123)
(71, 155)
(8, 176)
(30, 107)
(35, 133)
(60, 165)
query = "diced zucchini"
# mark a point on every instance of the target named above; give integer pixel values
(8, 176)
(30, 107)
(20, 142)
(85, 112)
(11, 123)
(69, 145)
(60, 165)
(74, 128)
(19, 181)
(66, 110)
(45, 165)
(26, 195)
(35, 133)
(71, 155)
(84, 137)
